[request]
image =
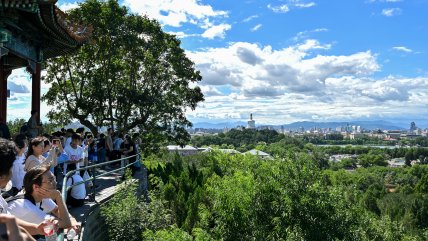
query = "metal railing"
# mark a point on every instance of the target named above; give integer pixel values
(65, 189)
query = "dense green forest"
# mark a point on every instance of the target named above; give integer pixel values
(215, 196)
(279, 145)
(247, 139)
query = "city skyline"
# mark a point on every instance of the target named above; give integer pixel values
(287, 61)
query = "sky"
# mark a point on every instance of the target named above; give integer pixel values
(293, 60)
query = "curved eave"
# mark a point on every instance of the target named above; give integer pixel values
(63, 36)
(79, 33)
(57, 22)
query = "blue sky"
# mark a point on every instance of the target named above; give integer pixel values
(295, 60)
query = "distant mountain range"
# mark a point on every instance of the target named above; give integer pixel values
(369, 125)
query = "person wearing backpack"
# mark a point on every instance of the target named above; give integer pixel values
(75, 195)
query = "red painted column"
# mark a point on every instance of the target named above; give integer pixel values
(35, 96)
(3, 93)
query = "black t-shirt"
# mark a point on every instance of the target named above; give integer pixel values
(91, 148)
(101, 143)
(127, 146)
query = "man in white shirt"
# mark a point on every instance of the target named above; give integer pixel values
(74, 152)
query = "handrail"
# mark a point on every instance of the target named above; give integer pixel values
(65, 189)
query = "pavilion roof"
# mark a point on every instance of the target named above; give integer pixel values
(40, 23)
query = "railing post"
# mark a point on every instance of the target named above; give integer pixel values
(94, 175)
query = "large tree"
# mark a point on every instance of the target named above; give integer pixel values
(131, 74)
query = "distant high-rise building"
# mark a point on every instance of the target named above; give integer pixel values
(251, 124)
(413, 127)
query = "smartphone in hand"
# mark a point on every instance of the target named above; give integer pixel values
(55, 142)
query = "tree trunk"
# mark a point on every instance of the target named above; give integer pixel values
(91, 126)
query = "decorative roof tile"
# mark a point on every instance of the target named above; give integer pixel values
(60, 35)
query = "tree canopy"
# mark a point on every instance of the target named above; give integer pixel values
(131, 74)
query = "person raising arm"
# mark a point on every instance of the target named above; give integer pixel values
(38, 198)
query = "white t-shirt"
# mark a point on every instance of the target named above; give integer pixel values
(25, 210)
(84, 155)
(73, 155)
(79, 191)
(18, 172)
(3, 206)
(67, 142)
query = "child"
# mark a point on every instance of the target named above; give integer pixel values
(76, 195)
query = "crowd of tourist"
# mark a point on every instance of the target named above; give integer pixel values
(32, 163)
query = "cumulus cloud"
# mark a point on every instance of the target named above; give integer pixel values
(383, 93)
(256, 70)
(248, 56)
(402, 49)
(344, 98)
(178, 12)
(175, 13)
(257, 27)
(210, 91)
(68, 6)
(19, 104)
(217, 31)
(390, 12)
(19, 82)
(17, 88)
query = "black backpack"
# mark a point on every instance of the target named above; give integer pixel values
(24, 128)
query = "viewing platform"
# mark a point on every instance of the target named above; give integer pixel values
(93, 226)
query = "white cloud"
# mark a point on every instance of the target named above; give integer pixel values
(390, 12)
(250, 18)
(217, 31)
(402, 49)
(257, 27)
(279, 9)
(210, 91)
(68, 6)
(19, 104)
(305, 34)
(290, 4)
(175, 12)
(181, 34)
(255, 71)
(344, 98)
(305, 5)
